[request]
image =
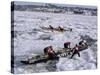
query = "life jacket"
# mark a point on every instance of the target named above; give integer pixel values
(75, 49)
(50, 50)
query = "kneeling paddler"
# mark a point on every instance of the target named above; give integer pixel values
(49, 52)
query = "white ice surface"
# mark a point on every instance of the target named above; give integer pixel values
(27, 43)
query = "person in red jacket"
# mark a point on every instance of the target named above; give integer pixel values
(75, 50)
(49, 51)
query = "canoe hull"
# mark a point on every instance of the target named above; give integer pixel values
(42, 58)
(39, 61)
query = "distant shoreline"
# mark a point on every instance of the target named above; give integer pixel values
(53, 8)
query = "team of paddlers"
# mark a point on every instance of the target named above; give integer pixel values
(51, 53)
(59, 28)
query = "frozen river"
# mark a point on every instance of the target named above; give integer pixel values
(29, 39)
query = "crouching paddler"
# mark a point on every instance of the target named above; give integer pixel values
(83, 43)
(50, 52)
(75, 50)
(51, 28)
(67, 45)
(61, 29)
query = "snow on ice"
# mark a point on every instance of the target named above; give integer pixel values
(30, 39)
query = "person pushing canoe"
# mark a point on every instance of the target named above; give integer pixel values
(75, 50)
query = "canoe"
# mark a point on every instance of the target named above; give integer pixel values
(55, 29)
(38, 60)
(60, 53)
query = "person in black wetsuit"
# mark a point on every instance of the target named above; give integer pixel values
(67, 45)
(60, 28)
(75, 50)
(82, 43)
(51, 28)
